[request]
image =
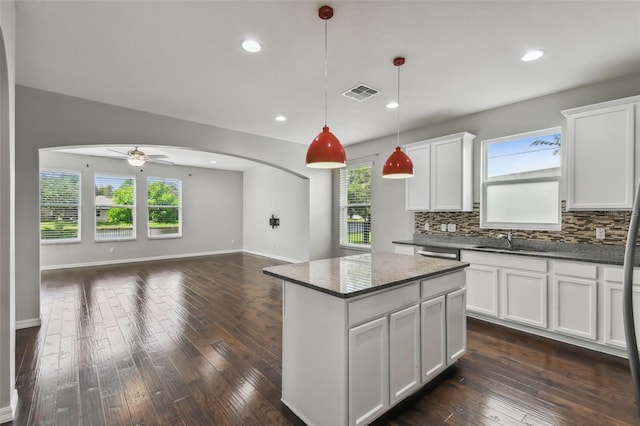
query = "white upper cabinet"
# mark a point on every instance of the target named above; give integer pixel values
(443, 174)
(600, 154)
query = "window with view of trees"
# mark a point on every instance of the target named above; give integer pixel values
(355, 206)
(165, 207)
(59, 206)
(115, 207)
(521, 181)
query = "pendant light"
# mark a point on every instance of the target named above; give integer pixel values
(398, 165)
(326, 151)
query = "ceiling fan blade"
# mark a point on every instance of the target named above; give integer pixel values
(160, 161)
(158, 156)
(118, 152)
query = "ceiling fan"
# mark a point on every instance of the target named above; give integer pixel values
(137, 158)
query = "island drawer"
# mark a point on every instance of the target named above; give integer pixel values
(382, 303)
(441, 284)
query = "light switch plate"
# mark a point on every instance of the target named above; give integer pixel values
(443, 227)
(600, 233)
(451, 227)
(426, 226)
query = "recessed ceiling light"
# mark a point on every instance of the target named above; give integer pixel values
(532, 55)
(392, 105)
(280, 118)
(212, 161)
(251, 45)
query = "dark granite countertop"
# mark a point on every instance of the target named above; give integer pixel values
(351, 276)
(594, 253)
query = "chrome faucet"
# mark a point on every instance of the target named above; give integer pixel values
(507, 237)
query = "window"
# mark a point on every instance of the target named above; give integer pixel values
(59, 206)
(115, 207)
(521, 181)
(355, 206)
(164, 201)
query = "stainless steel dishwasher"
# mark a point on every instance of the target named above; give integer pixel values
(441, 252)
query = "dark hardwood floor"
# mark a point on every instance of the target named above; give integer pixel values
(198, 342)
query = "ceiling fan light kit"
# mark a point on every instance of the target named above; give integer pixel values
(326, 151)
(136, 157)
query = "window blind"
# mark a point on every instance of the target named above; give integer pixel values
(59, 206)
(355, 206)
(115, 201)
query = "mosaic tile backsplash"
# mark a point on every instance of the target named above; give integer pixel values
(577, 226)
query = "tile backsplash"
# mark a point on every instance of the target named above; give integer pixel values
(577, 226)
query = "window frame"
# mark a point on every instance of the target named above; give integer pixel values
(178, 207)
(486, 182)
(344, 205)
(133, 207)
(76, 240)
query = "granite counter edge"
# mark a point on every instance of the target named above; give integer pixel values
(360, 292)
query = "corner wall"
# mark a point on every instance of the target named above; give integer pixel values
(270, 191)
(8, 394)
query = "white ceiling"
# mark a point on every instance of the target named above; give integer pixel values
(183, 58)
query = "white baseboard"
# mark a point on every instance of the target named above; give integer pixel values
(271, 256)
(8, 413)
(28, 323)
(134, 260)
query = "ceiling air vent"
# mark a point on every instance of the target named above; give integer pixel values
(361, 92)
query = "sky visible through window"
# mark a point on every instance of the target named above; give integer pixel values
(529, 154)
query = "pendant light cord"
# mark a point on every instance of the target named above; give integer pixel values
(325, 72)
(398, 112)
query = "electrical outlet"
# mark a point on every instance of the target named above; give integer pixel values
(600, 233)
(451, 227)
(443, 227)
(112, 249)
(426, 226)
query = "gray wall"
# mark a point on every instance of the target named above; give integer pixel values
(211, 213)
(270, 191)
(8, 394)
(389, 219)
(48, 120)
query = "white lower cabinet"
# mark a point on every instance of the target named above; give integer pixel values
(613, 317)
(575, 299)
(456, 325)
(404, 353)
(346, 361)
(368, 371)
(570, 301)
(433, 338)
(482, 289)
(524, 297)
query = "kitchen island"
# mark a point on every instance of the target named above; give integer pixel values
(361, 333)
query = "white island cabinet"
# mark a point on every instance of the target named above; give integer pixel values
(361, 333)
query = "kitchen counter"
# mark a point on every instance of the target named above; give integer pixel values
(362, 333)
(351, 276)
(603, 254)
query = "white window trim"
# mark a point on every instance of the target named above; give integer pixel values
(62, 240)
(351, 246)
(179, 207)
(485, 183)
(133, 207)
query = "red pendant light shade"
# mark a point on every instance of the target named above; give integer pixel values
(326, 151)
(398, 165)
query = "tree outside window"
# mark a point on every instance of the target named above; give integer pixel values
(355, 206)
(164, 207)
